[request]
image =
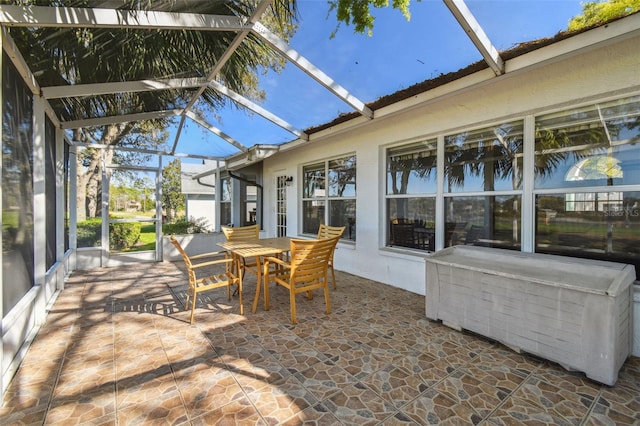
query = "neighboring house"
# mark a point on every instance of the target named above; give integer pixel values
(134, 206)
(199, 193)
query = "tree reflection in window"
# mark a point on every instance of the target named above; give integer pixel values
(488, 159)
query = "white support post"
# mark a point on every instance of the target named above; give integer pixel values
(104, 249)
(73, 206)
(440, 213)
(528, 173)
(159, 247)
(60, 196)
(217, 199)
(2, 312)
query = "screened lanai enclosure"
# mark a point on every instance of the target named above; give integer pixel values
(494, 128)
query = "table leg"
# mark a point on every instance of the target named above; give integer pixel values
(240, 283)
(258, 285)
(265, 275)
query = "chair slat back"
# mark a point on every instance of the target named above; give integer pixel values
(187, 260)
(309, 258)
(326, 231)
(242, 233)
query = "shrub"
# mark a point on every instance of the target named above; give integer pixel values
(186, 226)
(124, 235)
(89, 232)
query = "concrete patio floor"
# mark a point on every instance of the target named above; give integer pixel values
(117, 349)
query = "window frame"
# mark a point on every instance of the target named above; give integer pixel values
(324, 196)
(413, 149)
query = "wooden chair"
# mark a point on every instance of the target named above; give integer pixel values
(199, 284)
(245, 233)
(326, 231)
(403, 235)
(307, 271)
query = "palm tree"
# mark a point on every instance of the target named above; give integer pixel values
(59, 56)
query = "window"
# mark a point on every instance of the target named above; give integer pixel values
(410, 195)
(50, 191)
(601, 225)
(484, 220)
(281, 206)
(250, 204)
(587, 182)
(490, 161)
(225, 201)
(330, 184)
(591, 146)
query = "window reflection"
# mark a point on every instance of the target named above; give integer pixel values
(313, 178)
(411, 169)
(312, 216)
(491, 221)
(488, 159)
(330, 184)
(225, 201)
(342, 177)
(411, 222)
(411, 188)
(595, 145)
(50, 191)
(604, 225)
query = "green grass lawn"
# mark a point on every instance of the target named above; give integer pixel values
(147, 239)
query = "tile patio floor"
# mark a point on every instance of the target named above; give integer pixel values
(116, 350)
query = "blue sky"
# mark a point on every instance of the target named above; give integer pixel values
(397, 55)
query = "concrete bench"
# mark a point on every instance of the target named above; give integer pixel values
(575, 312)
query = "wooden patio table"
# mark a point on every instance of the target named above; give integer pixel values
(257, 249)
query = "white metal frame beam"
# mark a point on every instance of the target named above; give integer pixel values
(80, 90)
(192, 115)
(235, 43)
(257, 109)
(308, 68)
(114, 119)
(144, 151)
(69, 17)
(477, 35)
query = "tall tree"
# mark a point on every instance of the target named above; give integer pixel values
(172, 198)
(358, 12)
(597, 12)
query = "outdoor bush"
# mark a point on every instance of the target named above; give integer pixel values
(186, 226)
(124, 235)
(89, 232)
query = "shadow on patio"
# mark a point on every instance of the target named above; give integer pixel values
(117, 348)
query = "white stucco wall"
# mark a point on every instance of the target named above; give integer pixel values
(202, 206)
(599, 73)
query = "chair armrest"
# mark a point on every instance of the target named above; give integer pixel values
(280, 262)
(211, 254)
(213, 262)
